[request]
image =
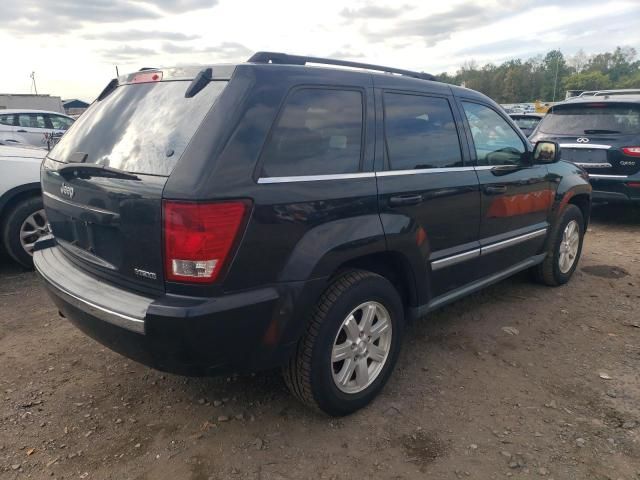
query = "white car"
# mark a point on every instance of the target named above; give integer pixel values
(32, 127)
(22, 219)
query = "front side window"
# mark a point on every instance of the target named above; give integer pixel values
(496, 142)
(319, 132)
(59, 122)
(31, 120)
(420, 132)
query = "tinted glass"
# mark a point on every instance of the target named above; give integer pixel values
(526, 122)
(31, 120)
(6, 119)
(421, 132)
(592, 119)
(319, 132)
(59, 122)
(496, 142)
(141, 128)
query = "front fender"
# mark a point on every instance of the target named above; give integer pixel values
(571, 181)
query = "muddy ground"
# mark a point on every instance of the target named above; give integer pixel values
(556, 395)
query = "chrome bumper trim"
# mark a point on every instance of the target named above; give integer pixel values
(598, 175)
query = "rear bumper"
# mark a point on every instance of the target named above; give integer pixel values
(615, 188)
(246, 331)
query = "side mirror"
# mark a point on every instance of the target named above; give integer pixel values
(546, 152)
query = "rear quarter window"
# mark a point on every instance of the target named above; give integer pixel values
(6, 120)
(319, 132)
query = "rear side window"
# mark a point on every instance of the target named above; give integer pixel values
(420, 132)
(31, 120)
(597, 118)
(139, 128)
(6, 120)
(319, 132)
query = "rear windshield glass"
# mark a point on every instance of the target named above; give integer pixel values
(526, 122)
(140, 128)
(603, 119)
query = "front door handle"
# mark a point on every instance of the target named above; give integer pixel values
(22, 131)
(495, 189)
(404, 200)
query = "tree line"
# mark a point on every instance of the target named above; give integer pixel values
(547, 77)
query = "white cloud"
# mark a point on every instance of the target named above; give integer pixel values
(74, 45)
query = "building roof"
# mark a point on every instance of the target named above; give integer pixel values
(74, 103)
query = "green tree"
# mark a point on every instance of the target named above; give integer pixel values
(593, 80)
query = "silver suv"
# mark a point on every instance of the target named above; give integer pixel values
(39, 128)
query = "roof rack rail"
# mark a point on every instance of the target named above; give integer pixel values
(286, 59)
(619, 91)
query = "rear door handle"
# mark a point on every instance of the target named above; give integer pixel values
(495, 189)
(22, 131)
(403, 200)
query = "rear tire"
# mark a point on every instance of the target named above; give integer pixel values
(28, 210)
(350, 346)
(564, 247)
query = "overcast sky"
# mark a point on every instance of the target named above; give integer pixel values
(73, 45)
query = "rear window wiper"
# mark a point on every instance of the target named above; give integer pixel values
(598, 130)
(75, 168)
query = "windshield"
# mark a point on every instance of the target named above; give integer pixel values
(139, 128)
(526, 122)
(592, 119)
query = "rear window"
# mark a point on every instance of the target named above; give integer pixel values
(592, 119)
(140, 128)
(526, 122)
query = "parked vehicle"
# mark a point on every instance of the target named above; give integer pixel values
(277, 214)
(602, 135)
(527, 122)
(22, 218)
(38, 128)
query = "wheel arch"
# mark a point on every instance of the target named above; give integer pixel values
(16, 194)
(583, 202)
(392, 265)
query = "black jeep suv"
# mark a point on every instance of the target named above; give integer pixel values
(602, 135)
(273, 213)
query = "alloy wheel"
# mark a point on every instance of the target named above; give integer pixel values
(33, 228)
(361, 347)
(569, 246)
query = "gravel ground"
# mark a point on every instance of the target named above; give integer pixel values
(519, 381)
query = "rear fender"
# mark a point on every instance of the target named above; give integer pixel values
(322, 250)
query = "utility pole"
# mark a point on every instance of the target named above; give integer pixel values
(33, 82)
(555, 81)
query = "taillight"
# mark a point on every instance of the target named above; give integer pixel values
(146, 77)
(631, 151)
(633, 184)
(199, 237)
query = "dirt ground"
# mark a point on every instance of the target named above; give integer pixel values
(554, 395)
